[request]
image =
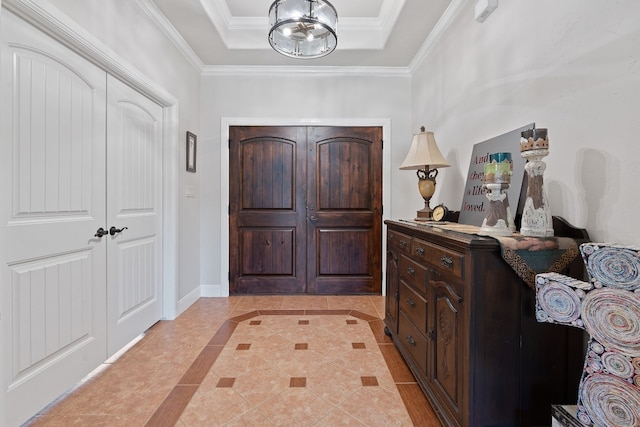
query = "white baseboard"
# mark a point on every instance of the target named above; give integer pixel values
(202, 291)
(213, 291)
(188, 300)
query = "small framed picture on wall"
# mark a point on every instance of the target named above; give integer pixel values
(192, 145)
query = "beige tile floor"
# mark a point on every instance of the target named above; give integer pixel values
(269, 369)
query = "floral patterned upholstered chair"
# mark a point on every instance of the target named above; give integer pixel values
(608, 308)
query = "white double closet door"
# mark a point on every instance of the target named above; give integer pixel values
(79, 151)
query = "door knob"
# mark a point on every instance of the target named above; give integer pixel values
(100, 232)
(114, 230)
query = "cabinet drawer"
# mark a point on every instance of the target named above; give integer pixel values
(413, 341)
(443, 259)
(414, 274)
(413, 305)
(399, 241)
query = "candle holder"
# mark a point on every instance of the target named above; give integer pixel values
(536, 215)
(497, 180)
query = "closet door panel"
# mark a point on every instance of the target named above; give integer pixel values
(134, 201)
(52, 166)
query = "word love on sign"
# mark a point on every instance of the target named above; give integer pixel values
(474, 201)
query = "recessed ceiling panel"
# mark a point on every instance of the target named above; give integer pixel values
(345, 8)
(382, 33)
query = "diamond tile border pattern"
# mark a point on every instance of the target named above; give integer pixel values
(359, 363)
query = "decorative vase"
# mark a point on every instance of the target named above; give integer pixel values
(536, 215)
(497, 180)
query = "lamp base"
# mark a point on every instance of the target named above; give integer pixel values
(426, 187)
(425, 214)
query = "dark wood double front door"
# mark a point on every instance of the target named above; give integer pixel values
(305, 210)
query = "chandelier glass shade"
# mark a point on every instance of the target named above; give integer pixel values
(303, 28)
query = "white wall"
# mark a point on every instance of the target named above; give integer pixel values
(572, 66)
(126, 29)
(288, 97)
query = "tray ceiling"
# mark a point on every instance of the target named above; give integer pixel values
(380, 33)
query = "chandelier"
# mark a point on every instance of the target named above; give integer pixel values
(303, 28)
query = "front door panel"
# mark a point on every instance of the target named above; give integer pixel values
(267, 210)
(305, 210)
(344, 229)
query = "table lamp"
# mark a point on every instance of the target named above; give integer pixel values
(425, 157)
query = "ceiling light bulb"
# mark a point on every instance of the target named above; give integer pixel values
(286, 32)
(310, 37)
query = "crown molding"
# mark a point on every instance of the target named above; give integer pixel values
(329, 71)
(249, 32)
(161, 21)
(445, 21)
(52, 21)
(219, 14)
(388, 17)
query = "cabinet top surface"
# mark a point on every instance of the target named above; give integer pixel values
(434, 231)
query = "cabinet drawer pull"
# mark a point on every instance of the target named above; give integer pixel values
(403, 243)
(411, 341)
(432, 334)
(410, 271)
(420, 251)
(411, 303)
(446, 262)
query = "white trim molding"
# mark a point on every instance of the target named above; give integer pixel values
(447, 18)
(301, 70)
(161, 21)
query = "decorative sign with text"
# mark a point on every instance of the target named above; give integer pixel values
(474, 201)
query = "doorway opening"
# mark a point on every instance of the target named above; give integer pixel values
(330, 260)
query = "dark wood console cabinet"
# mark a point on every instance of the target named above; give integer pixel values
(465, 324)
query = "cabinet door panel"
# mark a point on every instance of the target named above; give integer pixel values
(391, 306)
(447, 333)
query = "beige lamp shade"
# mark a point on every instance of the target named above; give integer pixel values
(425, 157)
(424, 153)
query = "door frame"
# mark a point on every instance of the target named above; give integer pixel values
(46, 17)
(227, 122)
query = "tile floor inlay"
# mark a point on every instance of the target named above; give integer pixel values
(326, 364)
(369, 381)
(298, 382)
(226, 382)
(340, 359)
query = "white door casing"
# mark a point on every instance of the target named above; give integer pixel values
(134, 200)
(52, 161)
